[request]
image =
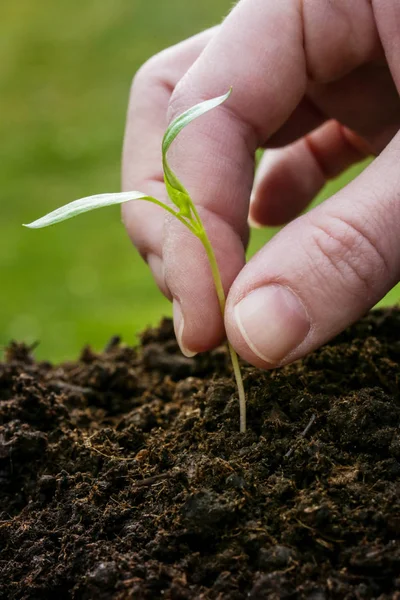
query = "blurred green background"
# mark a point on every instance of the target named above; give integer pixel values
(65, 74)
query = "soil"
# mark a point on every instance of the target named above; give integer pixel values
(123, 474)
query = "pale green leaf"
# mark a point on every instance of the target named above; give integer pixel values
(85, 205)
(188, 116)
(176, 191)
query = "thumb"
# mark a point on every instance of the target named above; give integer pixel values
(321, 272)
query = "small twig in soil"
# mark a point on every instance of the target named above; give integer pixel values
(149, 481)
(303, 434)
(88, 444)
(70, 387)
(324, 539)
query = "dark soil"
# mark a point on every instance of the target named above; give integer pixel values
(123, 475)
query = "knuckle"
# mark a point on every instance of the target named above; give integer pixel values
(150, 72)
(328, 27)
(184, 96)
(178, 102)
(350, 254)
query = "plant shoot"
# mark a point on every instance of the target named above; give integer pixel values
(183, 209)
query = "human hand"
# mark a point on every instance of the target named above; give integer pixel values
(314, 81)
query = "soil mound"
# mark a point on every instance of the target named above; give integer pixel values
(123, 474)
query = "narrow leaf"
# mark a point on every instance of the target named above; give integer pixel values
(176, 191)
(188, 116)
(85, 205)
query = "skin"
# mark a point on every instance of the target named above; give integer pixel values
(316, 83)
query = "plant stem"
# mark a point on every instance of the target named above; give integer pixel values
(221, 299)
(172, 212)
(197, 228)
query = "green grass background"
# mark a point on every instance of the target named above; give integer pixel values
(65, 73)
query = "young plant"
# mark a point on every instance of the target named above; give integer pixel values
(183, 209)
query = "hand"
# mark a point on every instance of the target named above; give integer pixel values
(314, 82)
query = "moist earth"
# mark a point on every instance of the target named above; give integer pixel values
(123, 475)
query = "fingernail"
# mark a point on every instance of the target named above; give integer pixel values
(272, 321)
(157, 268)
(156, 265)
(253, 224)
(250, 220)
(179, 325)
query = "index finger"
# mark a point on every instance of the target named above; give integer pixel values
(258, 51)
(142, 165)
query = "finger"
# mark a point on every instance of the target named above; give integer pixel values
(365, 101)
(214, 157)
(289, 178)
(322, 271)
(142, 166)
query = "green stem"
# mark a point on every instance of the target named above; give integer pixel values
(221, 299)
(197, 228)
(172, 212)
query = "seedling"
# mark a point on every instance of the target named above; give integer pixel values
(183, 209)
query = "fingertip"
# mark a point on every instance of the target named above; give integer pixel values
(253, 224)
(179, 326)
(286, 182)
(156, 265)
(268, 325)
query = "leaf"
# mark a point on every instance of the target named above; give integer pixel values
(188, 116)
(178, 194)
(176, 191)
(85, 205)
